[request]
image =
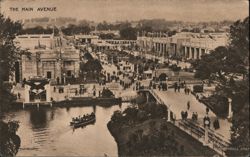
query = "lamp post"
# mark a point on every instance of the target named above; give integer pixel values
(64, 78)
(68, 91)
(206, 121)
(230, 112)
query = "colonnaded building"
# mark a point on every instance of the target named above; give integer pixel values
(53, 58)
(186, 45)
(49, 57)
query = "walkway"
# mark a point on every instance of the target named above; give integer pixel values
(178, 102)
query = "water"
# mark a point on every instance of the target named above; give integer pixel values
(46, 132)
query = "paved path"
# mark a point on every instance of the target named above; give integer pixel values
(178, 102)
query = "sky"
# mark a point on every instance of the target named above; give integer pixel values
(121, 10)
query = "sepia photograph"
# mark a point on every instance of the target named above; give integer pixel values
(124, 78)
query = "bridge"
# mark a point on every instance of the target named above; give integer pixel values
(158, 100)
(216, 141)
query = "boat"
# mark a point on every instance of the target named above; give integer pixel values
(83, 121)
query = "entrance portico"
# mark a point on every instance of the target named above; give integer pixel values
(37, 90)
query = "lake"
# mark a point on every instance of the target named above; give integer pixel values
(46, 132)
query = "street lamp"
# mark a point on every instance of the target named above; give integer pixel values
(68, 91)
(206, 122)
(230, 113)
(64, 78)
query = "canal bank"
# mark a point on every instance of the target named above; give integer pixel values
(149, 139)
(73, 102)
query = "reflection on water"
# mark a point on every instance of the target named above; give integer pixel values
(47, 132)
(38, 118)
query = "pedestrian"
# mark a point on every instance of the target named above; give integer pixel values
(175, 87)
(216, 124)
(76, 92)
(18, 95)
(193, 116)
(54, 88)
(188, 105)
(207, 110)
(159, 87)
(196, 115)
(182, 115)
(174, 118)
(186, 115)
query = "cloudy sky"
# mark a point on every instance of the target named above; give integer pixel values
(113, 10)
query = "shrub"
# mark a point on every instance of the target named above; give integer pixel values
(198, 88)
(106, 93)
(175, 68)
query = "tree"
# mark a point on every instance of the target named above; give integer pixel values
(128, 33)
(103, 26)
(228, 66)
(8, 56)
(107, 36)
(131, 113)
(76, 29)
(40, 30)
(10, 142)
(106, 93)
(92, 65)
(88, 56)
(163, 77)
(117, 117)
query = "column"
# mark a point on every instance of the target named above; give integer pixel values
(185, 52)
(206, 136)
(195, 53)
(165, 48)
(161, 48)
(230, 112)
(26, 93)
(169, 113)
(48, 92)
(156, 47)
(199, 53)
(147, 96)
(58, 70)
(190, 53)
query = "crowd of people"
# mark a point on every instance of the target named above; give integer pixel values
(84, 117)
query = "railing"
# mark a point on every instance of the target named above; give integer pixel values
(219, 144)
(158, 99)
(128, 98)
